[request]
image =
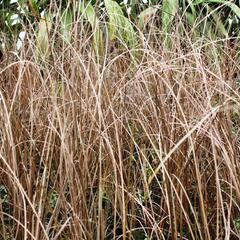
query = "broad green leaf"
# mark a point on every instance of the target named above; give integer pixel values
(190, 17)
(191, 5)
(219, 24)
(89, 14)
(231, 5)
(145, 15)
(66, 25)
(115, 18)
(119, 25)
(43, 41)
(169, 10)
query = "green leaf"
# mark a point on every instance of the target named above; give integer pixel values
(145, 16)
(219, 24)
(43, 41)
(120, 26)
(66, 25)
(231, 5)
(190, 17)
(169, 10)
(34, 7)
(192, 7)
(89, 14)
(115, 18)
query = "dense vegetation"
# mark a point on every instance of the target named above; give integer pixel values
(119, 119)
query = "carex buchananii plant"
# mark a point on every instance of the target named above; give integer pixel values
(120, 126)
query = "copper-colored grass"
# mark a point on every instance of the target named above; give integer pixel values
(108, 150)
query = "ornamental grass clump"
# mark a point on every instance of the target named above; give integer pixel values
(97, 142)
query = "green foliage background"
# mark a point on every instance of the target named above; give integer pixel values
(213, 18)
